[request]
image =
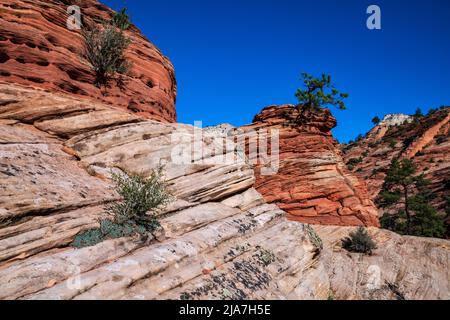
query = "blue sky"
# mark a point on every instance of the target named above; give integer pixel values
(234, 57)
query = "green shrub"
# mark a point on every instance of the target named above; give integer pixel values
(136, 213)
(121, 19)
(354, 161)
(88, 238)
(142, 198)
(359, 241)
(392, 143)
(405, 189)
(105, 50)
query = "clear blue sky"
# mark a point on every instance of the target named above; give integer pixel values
(234, 57)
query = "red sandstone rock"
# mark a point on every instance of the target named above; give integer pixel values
(313, 184)
(37, 49)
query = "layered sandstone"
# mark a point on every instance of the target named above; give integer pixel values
(217, 232)
(312, 182)
(401, 268)
(221, 239)
(37, 49)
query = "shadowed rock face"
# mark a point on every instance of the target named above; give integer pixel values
(37, 49)
(312, 184)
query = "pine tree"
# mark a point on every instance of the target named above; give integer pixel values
(318, 93)
(403, 187)
(376, 120)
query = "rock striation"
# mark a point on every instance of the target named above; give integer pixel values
(37, 49)
(312, 182)
(221, 239)
(402, 268)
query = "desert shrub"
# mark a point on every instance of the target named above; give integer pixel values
(408, 142)
(359, 241)
(135, 214)
(88, 238)
(121, 19)
(392, 143)
(354, 161)
(105, 50)
(142, 198)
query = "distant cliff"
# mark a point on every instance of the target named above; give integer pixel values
(425, 140)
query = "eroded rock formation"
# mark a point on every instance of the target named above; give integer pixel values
(312, 183)
(221, 239)
(54, 184)
(37, 49)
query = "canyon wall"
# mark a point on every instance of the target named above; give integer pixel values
(425, 140)
(37, 49)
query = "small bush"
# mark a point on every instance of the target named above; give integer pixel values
(105, 50)
(88, 239)
(392, 143)
(359, 241)
(142, 198)
(121, 19)
(354, 161)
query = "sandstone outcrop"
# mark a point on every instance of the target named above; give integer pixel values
(37, 49)
(312, 182)
(402, 268)
(221, 239)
